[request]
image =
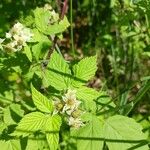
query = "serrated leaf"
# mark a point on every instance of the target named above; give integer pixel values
(12, 114)
(87, 95)
(58, 27)
(39, 37)
(30, 123)
(10, 145)
(37, 143)
(41, 19)
(41, 102)
(90, 136)
(84, 70)
(58, 73)
(28, 53)
(36, 49)
(52, 128)
(53, 140)
(42, 23)
(121, 128)
(39, 49)
(2, 126)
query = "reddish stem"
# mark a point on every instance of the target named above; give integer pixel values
(64, 9)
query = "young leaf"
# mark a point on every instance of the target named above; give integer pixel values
(41, 102)
(39, 37)
(58, 27)
(41, 19)
(42, 23)
(126, 131)
(30, 123)
(87, 95)
(52, 128)
(58, 73)
(90, 136)
(84, 71)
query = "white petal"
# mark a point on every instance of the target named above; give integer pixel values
(8, 35)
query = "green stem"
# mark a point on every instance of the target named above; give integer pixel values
(71, 26)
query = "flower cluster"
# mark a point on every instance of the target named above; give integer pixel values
(18, 36)
(54, 17)
(69, 105)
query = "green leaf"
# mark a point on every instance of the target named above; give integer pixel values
(87, 95)
(13, 114)
(10, 145)
(120, 128)
(36, 49)
(41, 19)
(28, 53)
(58, 73)
(2, 126)
(40, 49)
(144, 89)
(52, 128)
(105, 102)
(41, 102)
(37, 142)
(39, 37)
(90, 136)
(58, 27)
(84, 71)
(53, 140)
(42, 22)
(30, 123)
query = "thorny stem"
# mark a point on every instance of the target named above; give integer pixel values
(54, 39)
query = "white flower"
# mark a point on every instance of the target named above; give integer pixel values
(47, 7)
(19, 47)
(75, 122)
(12, 44)
(55, 16)
(17, 27)
(19, 36)
(26, 34)
(8, 35)
(71, 103)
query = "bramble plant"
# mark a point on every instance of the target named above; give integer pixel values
(61, 111)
